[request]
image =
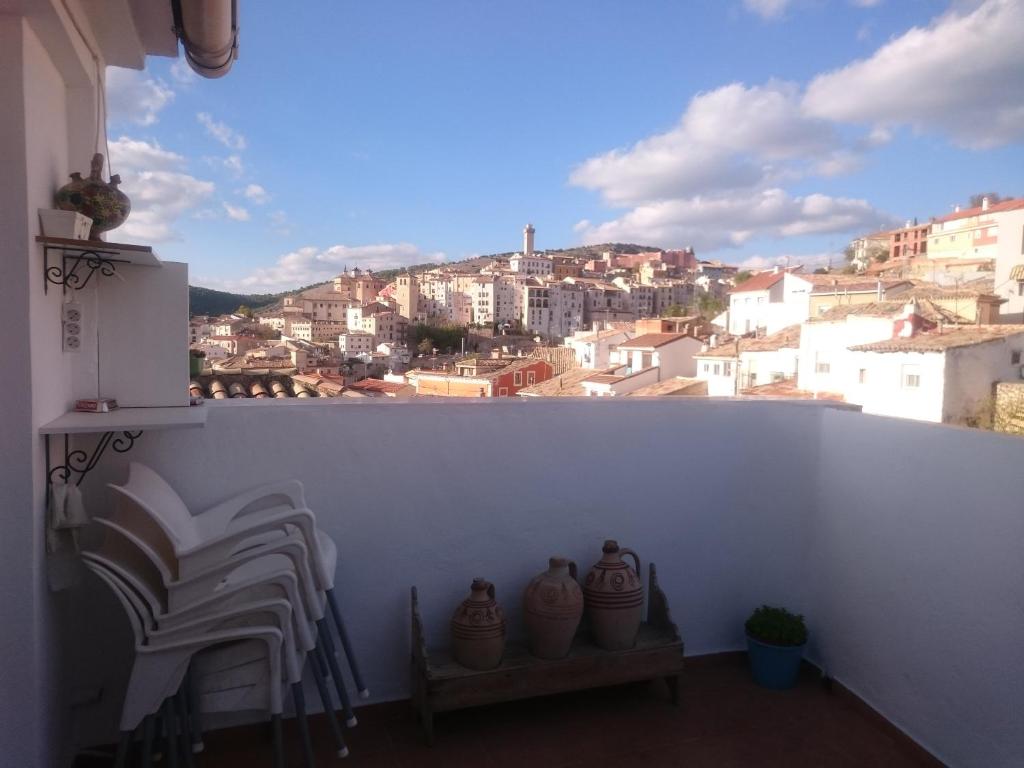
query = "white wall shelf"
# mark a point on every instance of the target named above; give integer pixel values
(77, 422)
(81, 259)
(129, 422)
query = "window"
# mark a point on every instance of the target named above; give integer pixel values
(502, 391)
(727, 369)
(717, 369)
(518, 379)
(707, 367)
(1015, 357)
(911, 376)
(862, 376)
(531, 378)
(822, 364)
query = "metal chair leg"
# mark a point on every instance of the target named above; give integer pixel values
(184, 739)
(339, 681)
(325, 700)
(353, 665)
(278, 747)
(299, 699)
(171, 735)
(123, 743)
(195, 716)
(148, 727)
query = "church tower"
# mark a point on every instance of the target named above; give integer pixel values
(528, 240)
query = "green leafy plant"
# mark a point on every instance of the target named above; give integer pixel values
(776, 626)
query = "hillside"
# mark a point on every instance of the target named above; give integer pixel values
(206, 301)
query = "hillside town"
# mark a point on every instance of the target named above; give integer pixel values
(925, 321)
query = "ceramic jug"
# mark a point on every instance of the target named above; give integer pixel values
(104, 203)
(614, 598)
(478, 628)
(553, 607)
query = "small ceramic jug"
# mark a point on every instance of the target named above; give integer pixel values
(478, 628)
(553, 607)
(614, 598)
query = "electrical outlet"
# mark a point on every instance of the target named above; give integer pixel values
(71, 320)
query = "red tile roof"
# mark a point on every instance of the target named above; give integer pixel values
(1005, 205)
(653, 340)
(759, 282)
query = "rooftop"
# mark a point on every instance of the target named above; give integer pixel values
(653, 340)
(568, 384)
(940, 341)
(759, 282)
(787, 338)
(1005, 205)
(676, 385)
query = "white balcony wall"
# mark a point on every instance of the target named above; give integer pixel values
(436, 493)
(917, 570)
(900, 541)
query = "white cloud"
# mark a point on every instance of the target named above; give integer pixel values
(222, 132)
(234, 164)
(961, 75)
(865, 3)
(134, 97)
(312, 265)
(182, 73)
(734, 137)
(810, 261)
(159, 189)
(256, 193)
(236, 213)
(730, 221)
(767, 9)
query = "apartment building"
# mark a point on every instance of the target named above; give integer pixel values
(553, 309)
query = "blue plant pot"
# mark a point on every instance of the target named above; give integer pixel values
(774, 666)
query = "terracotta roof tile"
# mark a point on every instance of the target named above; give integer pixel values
(949, 338)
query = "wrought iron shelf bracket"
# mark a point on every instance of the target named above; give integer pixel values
(74, 267)
(78, 463)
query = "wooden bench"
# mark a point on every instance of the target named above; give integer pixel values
(440, 684)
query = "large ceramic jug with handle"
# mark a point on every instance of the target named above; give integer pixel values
(553, 607)
(614, 598)
(478, 628)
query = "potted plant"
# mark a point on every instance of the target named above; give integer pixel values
(196, 360)
(775, 644)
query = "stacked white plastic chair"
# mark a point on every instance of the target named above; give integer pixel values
(177, 570)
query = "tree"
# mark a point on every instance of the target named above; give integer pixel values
(821, 271)
(243, 310)
(426, 346)
(710, 306)
(849, 253)
(674, 310)
(743, 276)
(993, 198)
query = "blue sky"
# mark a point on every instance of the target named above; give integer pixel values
(388, 133)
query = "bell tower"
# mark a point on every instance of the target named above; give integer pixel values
(528, 240)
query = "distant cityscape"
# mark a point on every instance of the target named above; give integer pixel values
(925, 321)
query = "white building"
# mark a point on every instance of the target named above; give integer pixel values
(355, 343)
(593, 349)
(740, 364)
(554, 309)
(1009, 278)
(671, 353)
(940, 376)
(531, 265)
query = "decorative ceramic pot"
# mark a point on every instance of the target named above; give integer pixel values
(478, 628)
(614, 597)
(104, 203)
(553, 606)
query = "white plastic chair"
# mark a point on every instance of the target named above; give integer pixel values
(254, 518)
(128, 562)
(158, 669)
(151, 564)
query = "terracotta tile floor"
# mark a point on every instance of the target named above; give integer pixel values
(723, 720)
